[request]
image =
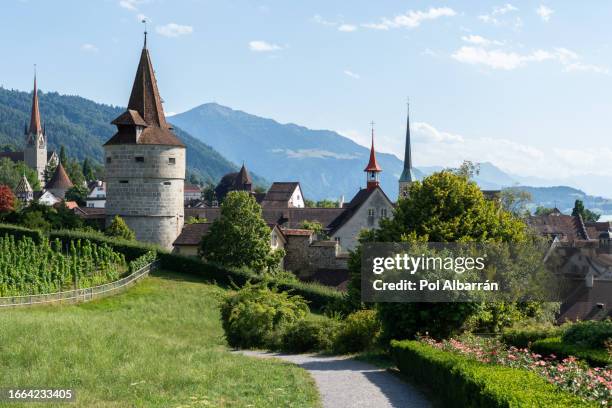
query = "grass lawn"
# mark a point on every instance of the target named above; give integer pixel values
(158, 345)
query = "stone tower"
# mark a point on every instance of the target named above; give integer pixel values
(372, 169)
(35, 153)
(145, 164)
(407, 177)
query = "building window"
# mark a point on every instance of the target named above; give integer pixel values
(139, 159)
(123, 181)
(171, 160)
(108, 159)
(383, 213)
(167, 183)
(371, 212)
(90, 205)
(337, 239)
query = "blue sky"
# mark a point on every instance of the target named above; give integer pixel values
(525, 85)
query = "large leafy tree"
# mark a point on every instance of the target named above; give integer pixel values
(585, 213)
(444, 207)
(240, 236)
(77, 193)
(11, 173)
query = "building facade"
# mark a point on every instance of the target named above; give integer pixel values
(145, 165)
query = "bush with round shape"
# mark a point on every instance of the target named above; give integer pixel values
(256, 316)
(310, 335)
(359, 332)
(593, 334)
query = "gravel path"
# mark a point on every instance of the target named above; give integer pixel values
(345, 382)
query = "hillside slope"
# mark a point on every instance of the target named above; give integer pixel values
(82, 126)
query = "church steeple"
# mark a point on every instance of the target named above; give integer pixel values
(407, 177)
(35, 123)
(372, 169)
(35, 153)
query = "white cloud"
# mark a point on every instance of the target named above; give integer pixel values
(173, 30)
(411, 19)
(579, 66)
(320, 20)
(129, 4)
(508, 60)
(315, 154)
(544, 12)
(347, 28)
(499, 11)
(351, 74)
(426, 132)
(89, 48)
(479, 40)
(262, 46)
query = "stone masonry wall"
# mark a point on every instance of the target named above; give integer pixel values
(305, 258)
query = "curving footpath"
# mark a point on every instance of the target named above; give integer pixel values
(346, 382)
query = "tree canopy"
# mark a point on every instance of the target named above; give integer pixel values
(585, 213)
(119, 229)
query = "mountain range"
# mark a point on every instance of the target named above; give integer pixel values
(327, 164)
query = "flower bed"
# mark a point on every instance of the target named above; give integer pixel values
(590, 384)
(555, 345)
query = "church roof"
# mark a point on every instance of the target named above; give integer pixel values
(60, 179)
(351, 208)
(35, 124)
(407, 173)
(243, 176)
(144, 109)
(23, 186)
(373, 164)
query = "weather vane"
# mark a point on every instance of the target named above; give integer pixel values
(144, 21)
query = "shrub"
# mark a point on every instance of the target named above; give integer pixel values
(462, 382)
(310, 335)
(591, 334)
(523, 336)
(119, 229)
(256, 316)
(142, 261)
(556, 346)
(359, 332)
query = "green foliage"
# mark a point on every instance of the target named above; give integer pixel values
(142, 261)
(11, 173)
(523, 335)
(310, 334)
(589, 333)
(119, 229)
(314, 226)
(77, 193)
(320, 297)
(359, 332)
(44, 217)
(515, 201)
(541, 210)
(63, 157)
(27, 267)
(444, 207)
(88, 170)
(195, 220)
(595, 357)
(587, 215)
(75, 173)
(255, 316)
(463, 382)
(240, 236)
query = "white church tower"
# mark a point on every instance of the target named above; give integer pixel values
(35, 153)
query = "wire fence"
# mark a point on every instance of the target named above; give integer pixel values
(79, 295)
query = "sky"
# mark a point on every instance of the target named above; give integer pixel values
(525, 85)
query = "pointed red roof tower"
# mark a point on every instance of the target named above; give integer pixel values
(372, 169)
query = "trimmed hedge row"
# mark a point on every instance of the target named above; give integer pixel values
(462, 382)
(522, 337)
(20, 232)
(320, 297)
(556, 346)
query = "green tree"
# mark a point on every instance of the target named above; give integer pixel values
(327, 204)
(541, 210)
(119, 229)
(515, 201)
(208, 193)
(49, 171)
(467, 169)
(11, 173)
(314, 226)
(444, 207)
(88, 170)
(585, 213)
(63, 158)
(77, 193)
(75, 172)
(240, 236)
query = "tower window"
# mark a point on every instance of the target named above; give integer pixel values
(139, 159)
(108, 159)
(123, 181)
(167, 183)
(171, 160)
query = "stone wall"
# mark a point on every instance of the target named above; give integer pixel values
(304, 257)
(145, 187)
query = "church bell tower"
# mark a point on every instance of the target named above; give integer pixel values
(35, 153)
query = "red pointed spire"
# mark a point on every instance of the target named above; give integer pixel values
(373, 164)
(35, 126)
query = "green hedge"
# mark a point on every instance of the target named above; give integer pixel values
(462, 382)
(320, 297)
(20, 232)
(556, 346)
(523, 336)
